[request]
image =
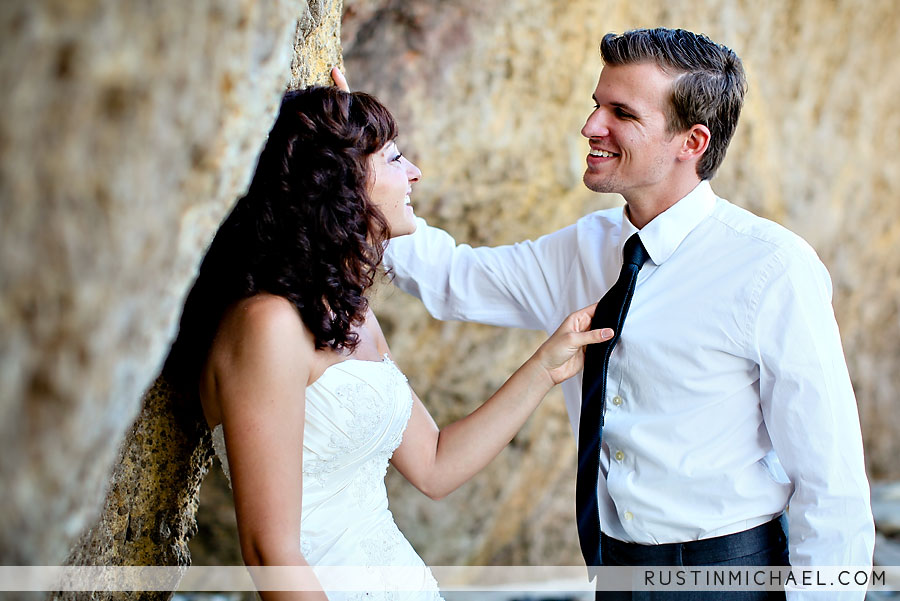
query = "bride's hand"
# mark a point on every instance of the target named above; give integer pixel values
(340, 80)
(562, 355)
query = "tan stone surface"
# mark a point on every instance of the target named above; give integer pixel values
(126, 132)
(491, 97)
(148, 516)
(317, 45)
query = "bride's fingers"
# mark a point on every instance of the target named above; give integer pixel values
(587, 312)
(591, 336)
(580, 320)
(339, 80)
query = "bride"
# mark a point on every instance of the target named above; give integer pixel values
(292, 366)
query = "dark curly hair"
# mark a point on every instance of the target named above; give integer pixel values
(306, 229)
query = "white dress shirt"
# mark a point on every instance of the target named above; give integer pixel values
(728, 396)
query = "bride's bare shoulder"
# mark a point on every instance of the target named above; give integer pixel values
(259, 338)
(254, 381)
(264, 322)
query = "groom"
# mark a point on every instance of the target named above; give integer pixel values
(726, 398)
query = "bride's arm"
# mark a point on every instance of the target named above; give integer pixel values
(261, 361)
(438, 461)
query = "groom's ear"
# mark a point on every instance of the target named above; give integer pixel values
(694, 143)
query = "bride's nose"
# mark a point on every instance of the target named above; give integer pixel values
(413, 172)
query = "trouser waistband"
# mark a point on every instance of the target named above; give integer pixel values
(699, 552)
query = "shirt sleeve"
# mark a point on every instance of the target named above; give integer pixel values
(811, 416)
(518, 285)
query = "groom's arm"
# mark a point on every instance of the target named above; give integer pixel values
(519, 285)
(811, 416)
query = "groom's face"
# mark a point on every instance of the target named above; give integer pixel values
(632, 151)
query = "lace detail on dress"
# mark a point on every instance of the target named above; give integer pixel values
(365, 420)
(371, 475)
(362, 422)
(367, 480)
(306, 547)
(381, 548)
(384, 548)
(403, 383)
(379, 596)
(366, 417)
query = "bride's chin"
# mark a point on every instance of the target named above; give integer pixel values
(403, 232)
(404, 229)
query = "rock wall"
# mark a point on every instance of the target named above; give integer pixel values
(491, 97)
(127, 130)
(148, 515)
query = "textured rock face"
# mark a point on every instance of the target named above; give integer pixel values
(491, 98)
(148, 516)
(126, 132)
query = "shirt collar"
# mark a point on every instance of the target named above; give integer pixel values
(662, 236)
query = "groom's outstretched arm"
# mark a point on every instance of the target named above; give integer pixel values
(521, 285)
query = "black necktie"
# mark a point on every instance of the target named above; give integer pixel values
(610, 313)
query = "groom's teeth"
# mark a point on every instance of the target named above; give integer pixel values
(601, 153)
(406, 199)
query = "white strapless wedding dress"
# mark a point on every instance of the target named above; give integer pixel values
(356, 413)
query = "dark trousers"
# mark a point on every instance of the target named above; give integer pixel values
(765, 545)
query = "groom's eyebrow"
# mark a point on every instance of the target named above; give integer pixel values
(622, 105)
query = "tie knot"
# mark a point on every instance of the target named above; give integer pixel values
(635, 253)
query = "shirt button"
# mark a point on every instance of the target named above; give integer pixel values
(617, 400)
(620, 455)
(628, 515)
